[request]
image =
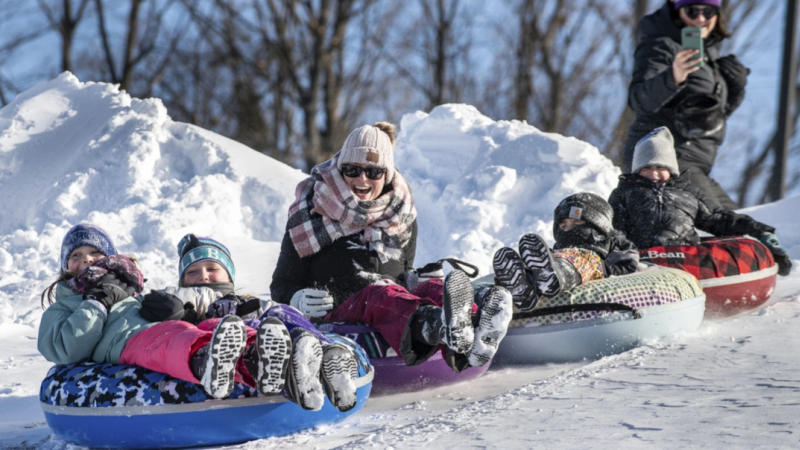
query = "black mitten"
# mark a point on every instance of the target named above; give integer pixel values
(109, 291)
(158, 306)
(238, 305)
(778, 253)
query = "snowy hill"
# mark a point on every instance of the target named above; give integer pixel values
(73, 151)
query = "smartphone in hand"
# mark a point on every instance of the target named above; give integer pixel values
(692, 39)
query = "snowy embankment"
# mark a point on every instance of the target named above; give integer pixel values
(73, 151)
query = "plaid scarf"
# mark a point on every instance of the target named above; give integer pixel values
(325, 209)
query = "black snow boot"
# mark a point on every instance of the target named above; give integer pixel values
(510, 273)
(425, 325)
(550, 274)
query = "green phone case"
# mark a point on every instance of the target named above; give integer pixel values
(691, 38)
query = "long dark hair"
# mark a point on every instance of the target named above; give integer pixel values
(49, 292)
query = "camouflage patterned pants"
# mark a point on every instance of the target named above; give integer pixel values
(586, 262)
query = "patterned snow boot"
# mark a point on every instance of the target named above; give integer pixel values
(457, 331)
(339, 372)
(496, 308)
(303, 385)
(551, 274)
(510, 273)
(219, 366)
(274, 350)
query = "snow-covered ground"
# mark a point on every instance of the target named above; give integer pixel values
(73, 151)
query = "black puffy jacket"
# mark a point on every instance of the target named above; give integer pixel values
(658, 101)
(342, 268)
(653, 214)
(619, 255)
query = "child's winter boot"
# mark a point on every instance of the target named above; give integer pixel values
(339, 374)
(551, 274)
(303, 385)
(274, 350)
(217, 361)
(510, 273)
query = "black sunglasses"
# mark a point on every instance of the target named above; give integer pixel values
(373, 173)
(694, 11)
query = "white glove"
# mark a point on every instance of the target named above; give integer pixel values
(199, 296)
(312, 302)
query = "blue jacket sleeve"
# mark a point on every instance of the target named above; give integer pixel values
(70, 330)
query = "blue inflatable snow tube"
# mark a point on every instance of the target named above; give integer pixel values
(116, 405)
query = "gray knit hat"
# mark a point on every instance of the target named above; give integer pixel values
(368, 145)
(657, 148)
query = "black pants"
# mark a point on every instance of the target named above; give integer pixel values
(715, 195)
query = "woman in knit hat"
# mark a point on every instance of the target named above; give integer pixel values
(671, 87)
(655, 205)
(350, 241)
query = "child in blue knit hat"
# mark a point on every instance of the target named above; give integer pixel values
(206, 275)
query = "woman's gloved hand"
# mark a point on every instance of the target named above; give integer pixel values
(312, 302)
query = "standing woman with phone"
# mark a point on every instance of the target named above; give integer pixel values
(690, 91)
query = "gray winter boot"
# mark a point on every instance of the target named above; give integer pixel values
(457, 332)
(496, 308)
(339, 372)
(303, 383)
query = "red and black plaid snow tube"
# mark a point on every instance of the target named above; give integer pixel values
(737, 273)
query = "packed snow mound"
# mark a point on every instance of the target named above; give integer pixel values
(480, 184)
(73, 151)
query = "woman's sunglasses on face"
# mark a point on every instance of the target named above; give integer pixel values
(373, 173)
(694, 11)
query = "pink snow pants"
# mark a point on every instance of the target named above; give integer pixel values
(167, 347)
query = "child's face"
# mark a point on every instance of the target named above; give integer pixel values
(83, 257)
(569, 223)
(203, 272)
(655, 173)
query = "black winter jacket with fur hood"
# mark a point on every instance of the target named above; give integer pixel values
(342, 268)
(653, 214)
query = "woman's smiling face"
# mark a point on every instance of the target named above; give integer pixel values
(363, 187)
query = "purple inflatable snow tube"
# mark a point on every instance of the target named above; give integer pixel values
(392, 375)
